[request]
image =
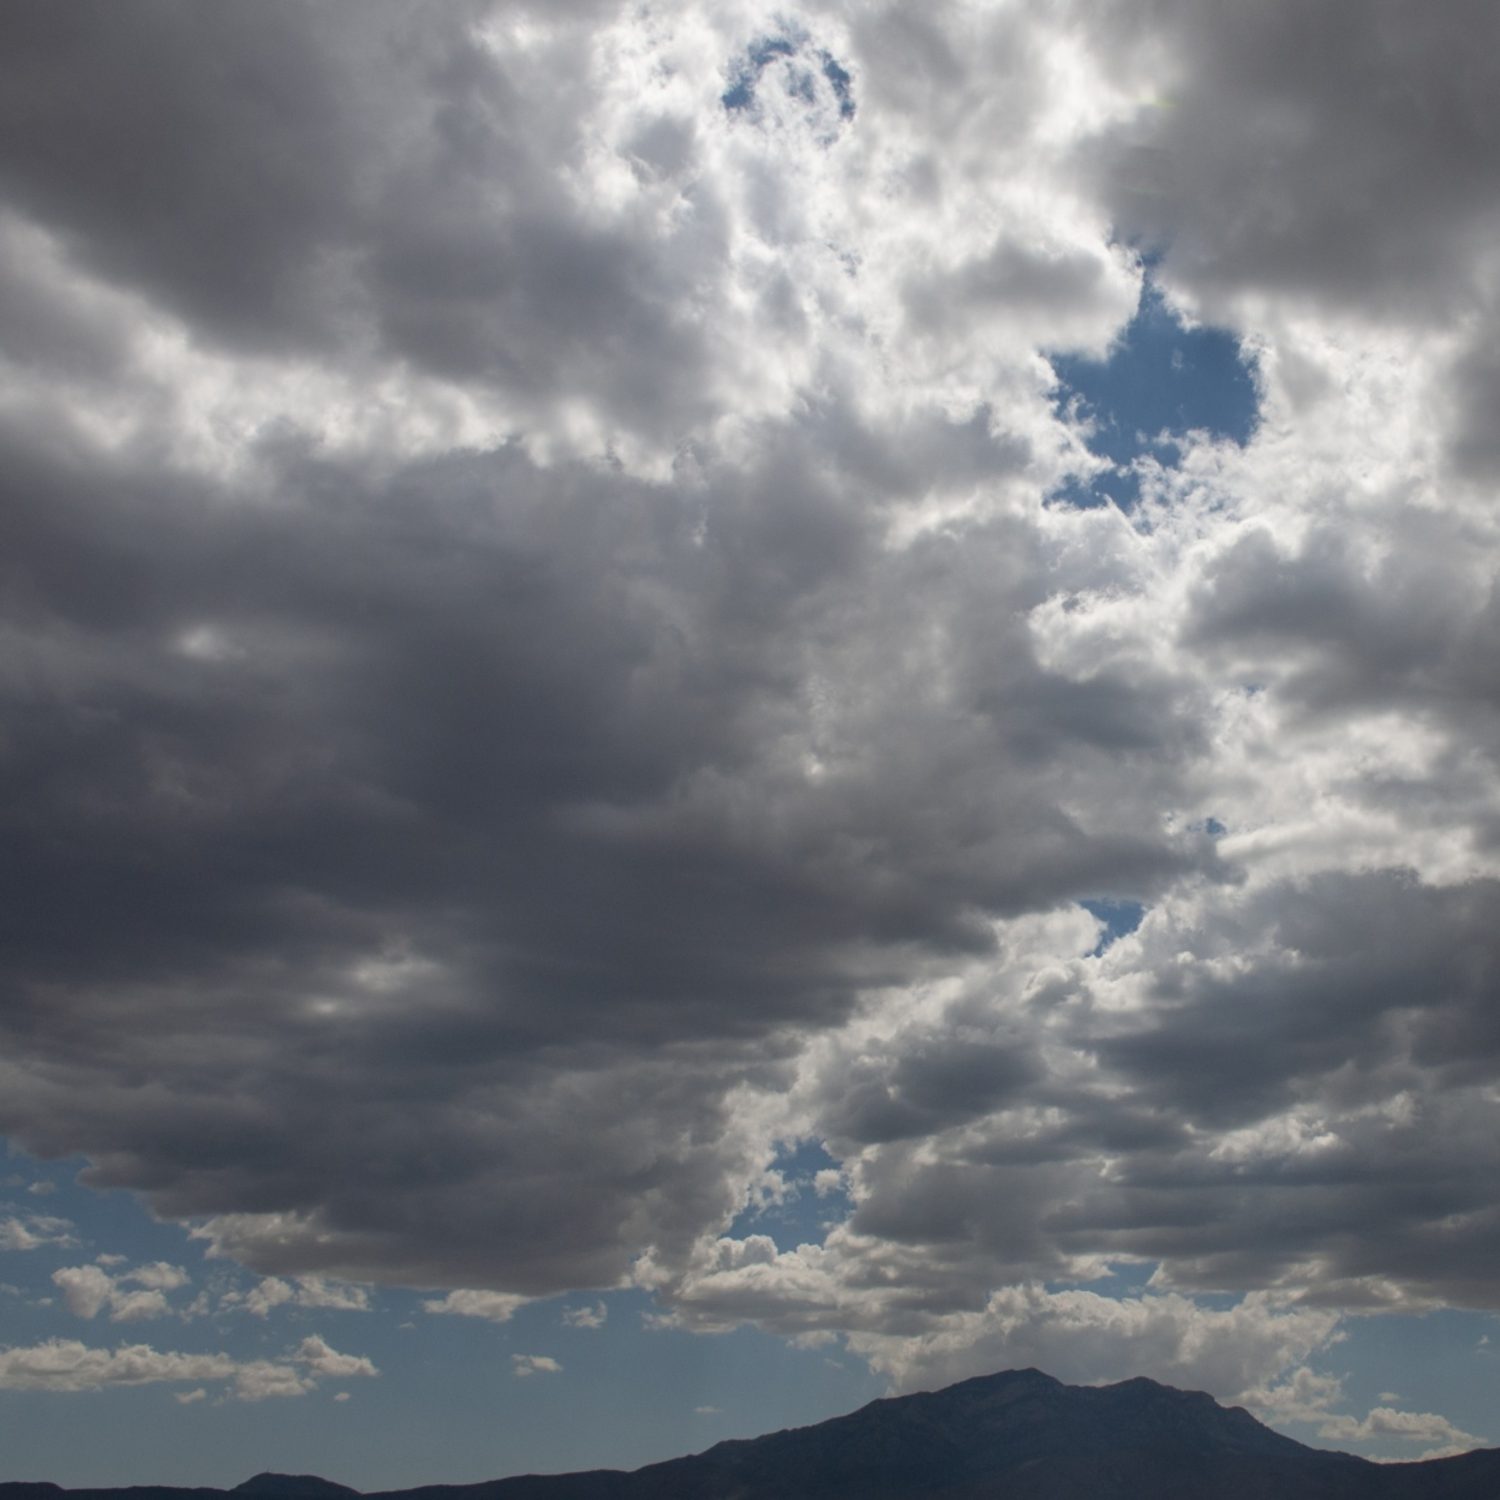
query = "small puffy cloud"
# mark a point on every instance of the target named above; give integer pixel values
(85, 1289)
(524, 1365)
(497, 1307)
(272, 1292)
(88, 1290)
(33, 1231)
(158, 1276)
(331, 1296)
(321, 1360)
(190, 1398)
(267, 1380)
(587, 1316)
(1305, 1396)
(68, 1365)
(313, 1360)
(1439, 1436)
(135, 1307)
(341, 1395)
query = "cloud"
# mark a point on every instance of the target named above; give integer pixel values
(1441, 1436)
(1306, 1397)
(33, 1231)
(272, 1292)
(88, 1290)
(593, 1316)
(564, 666)
(497, 1307)
(158, 1276)
(928, 1331)
(1371, 109)
(321, 1360)
(65, 1365)
(524, 1365)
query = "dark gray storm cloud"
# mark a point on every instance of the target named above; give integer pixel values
(543, 655)
(532, 742)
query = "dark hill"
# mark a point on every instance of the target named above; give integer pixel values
(1015, 1436)
(291, 1487)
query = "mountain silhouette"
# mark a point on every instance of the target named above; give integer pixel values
(1018, 1435)
(291, 1487)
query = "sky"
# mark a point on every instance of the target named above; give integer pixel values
(715, 709)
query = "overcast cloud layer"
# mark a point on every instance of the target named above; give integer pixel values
(546, 659)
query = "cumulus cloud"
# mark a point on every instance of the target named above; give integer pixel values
(564, 665)
(32, 1231)
(588, 1316)
(320, 1360)
(66, 1365)
(271, 1292)
(158, 1276)
(524, 1365)
(1437, 1432)
(497, 1307)
(88, 1290)
(1306, 1396)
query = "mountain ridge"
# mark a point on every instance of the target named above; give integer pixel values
(1013, 1435)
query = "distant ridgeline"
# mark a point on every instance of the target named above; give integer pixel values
(1019, 1435)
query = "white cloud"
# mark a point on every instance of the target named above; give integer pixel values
(33, 1231)
(497, 1307)
(321, 1360)
(88, 1290)
(523, 1365)
(268, 1293)
(272, 1292)
(158, 1276)
(85, 1289)
(587, 1316)
(332, 1296)
(267, 1380)
(66, 1365)
(1440, 1436)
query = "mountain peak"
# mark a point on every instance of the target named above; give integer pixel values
(271, 1486)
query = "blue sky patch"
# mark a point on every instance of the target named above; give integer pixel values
(803, 1216)
(807, 70)
(1160, 377)
(1120, 919)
